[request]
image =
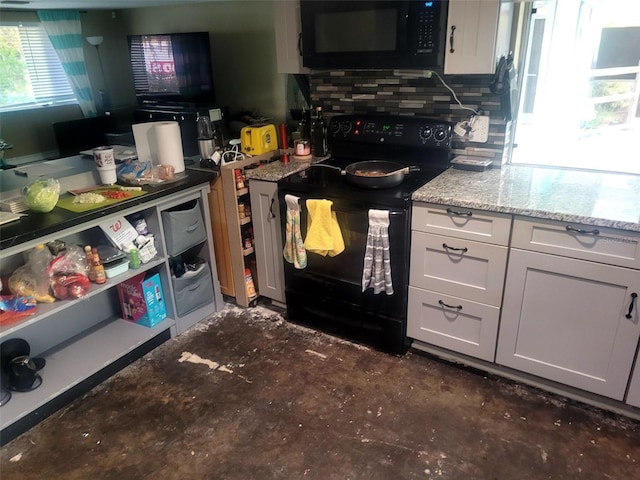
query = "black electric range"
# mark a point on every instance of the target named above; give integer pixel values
(329, 292)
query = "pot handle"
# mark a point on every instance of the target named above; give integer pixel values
(405, 170)
(333, 167)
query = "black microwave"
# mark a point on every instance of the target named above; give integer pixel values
(373, 34)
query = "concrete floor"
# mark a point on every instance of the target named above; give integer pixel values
(245, 395)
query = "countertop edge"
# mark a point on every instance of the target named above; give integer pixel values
(541, 193)
(532, 213)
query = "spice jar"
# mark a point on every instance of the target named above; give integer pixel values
(239, 179)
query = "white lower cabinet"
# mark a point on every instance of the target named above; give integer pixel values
(455, 283)
(565, 320)
(633, 397)
(268, 239)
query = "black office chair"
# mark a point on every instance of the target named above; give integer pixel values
(74, 136)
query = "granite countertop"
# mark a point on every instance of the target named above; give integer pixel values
(589, 198)
(274, 171)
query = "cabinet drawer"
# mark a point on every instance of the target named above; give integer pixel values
(598, 244)
(183, 227)
(458, 267)
(460, 325)
(193, 290)
(462, 223)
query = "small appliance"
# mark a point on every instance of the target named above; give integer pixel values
(373, 34)
(258, 140)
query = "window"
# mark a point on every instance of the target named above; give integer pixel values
(32, 75)
(580, 89)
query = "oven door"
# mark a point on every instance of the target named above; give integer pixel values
(328, 292)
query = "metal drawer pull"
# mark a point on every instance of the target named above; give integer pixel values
(456, 307)
(633, 301)
(453, 29)
(273, 215)
(447, 247)
(595, 231)
(450, 211)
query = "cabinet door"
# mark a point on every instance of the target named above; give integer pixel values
(633, 397)
(456, 324)
(480, 30)
(268, 239)
(565, 320)
(286, 16)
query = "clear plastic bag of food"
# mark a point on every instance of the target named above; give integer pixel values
(31, 279)
(42, 196)
(68, 274)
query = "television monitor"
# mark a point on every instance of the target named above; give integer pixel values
(172, 67)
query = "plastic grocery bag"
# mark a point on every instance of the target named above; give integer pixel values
(32, 279)
(42, 196)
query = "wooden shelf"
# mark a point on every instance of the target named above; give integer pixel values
(237, 254)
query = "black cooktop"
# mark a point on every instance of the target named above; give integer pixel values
(408, 141)
(322, 182)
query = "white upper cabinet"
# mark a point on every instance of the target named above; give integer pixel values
(287, 25)
(478, 33)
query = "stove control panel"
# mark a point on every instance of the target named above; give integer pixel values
(393, 130)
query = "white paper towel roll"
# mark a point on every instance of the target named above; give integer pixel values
(169, 145)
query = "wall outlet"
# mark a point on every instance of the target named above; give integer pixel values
(479, 129)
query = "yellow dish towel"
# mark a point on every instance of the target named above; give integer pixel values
(323, 232)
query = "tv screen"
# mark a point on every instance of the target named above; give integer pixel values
(174, 67)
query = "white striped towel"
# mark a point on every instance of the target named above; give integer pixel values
(376, 272)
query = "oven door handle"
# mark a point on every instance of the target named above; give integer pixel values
(355, 210)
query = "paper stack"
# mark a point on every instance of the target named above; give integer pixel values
(13, 205)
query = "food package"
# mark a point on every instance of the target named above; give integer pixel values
(42, 196)
(134, 172)
(31, 278)
(15, 308)
(68, 274)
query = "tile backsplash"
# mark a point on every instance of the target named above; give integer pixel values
(411, 92)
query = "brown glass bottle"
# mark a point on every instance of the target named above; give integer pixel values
(318, 135)
(91, 273)
(97, 267)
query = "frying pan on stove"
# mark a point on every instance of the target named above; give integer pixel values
(373, 173)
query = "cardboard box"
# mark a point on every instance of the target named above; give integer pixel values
(142, 300)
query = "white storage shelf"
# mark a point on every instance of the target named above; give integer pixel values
(46, 310)
(67, 366)
(81, 337)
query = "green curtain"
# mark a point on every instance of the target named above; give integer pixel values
(65, 32)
